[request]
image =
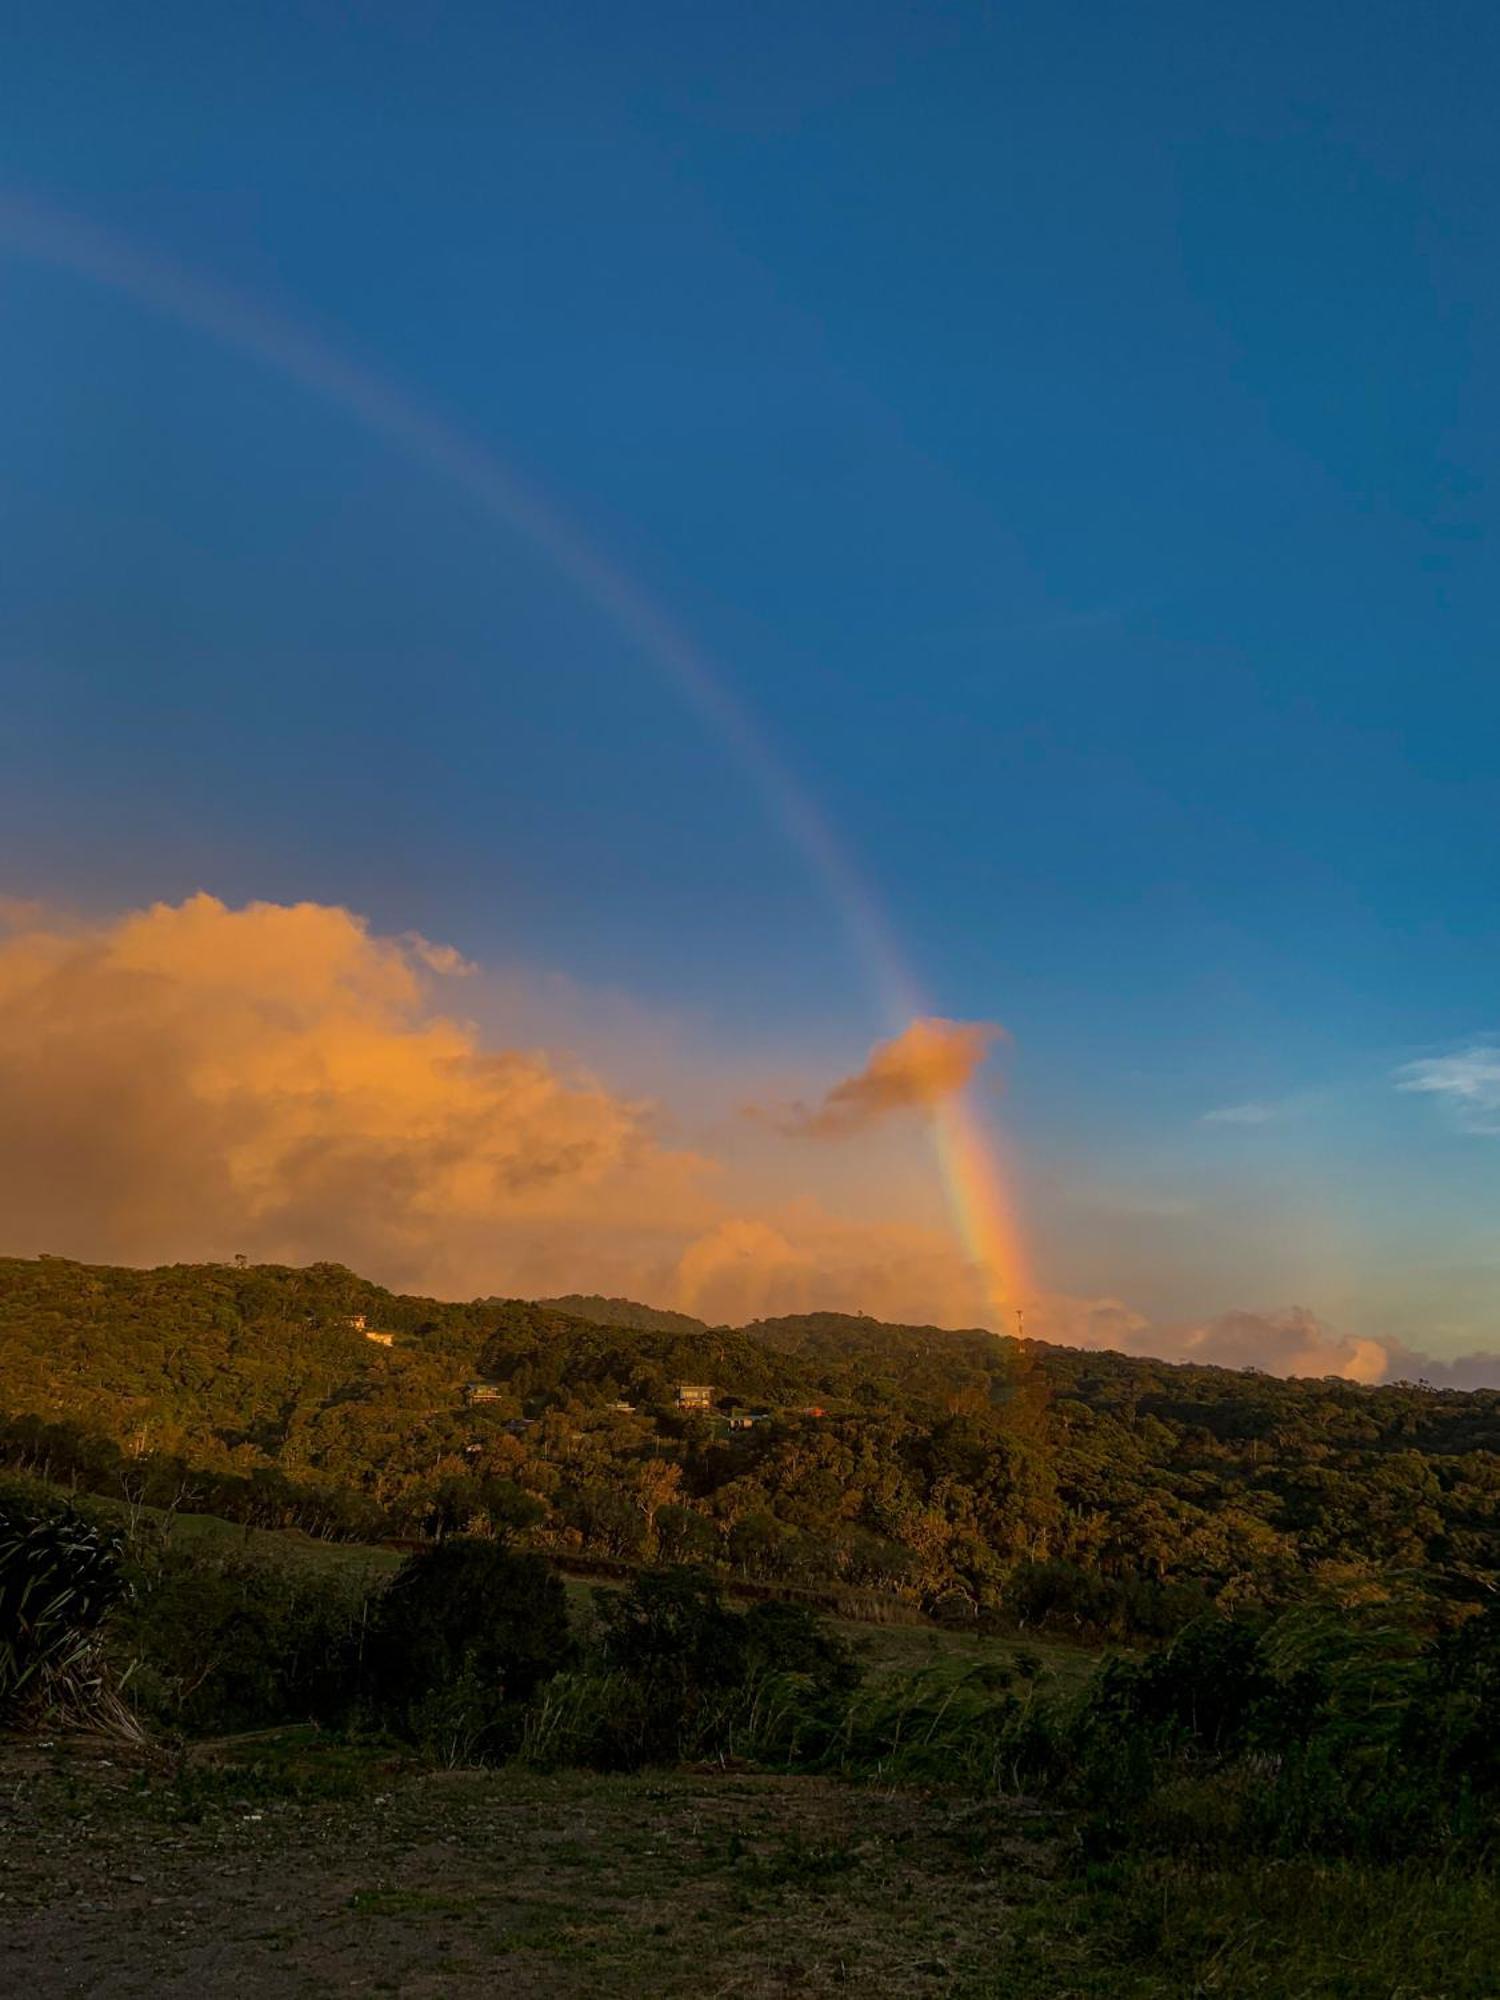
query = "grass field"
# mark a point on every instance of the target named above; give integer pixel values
(280, 1865)
(282, 1545)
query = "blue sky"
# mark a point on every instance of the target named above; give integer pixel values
(1069, 430)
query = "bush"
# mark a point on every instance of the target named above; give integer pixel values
(1324, 1731)
(679, 1676)
(1061, 1597)
(219, 1644)
(466, 1634)
(683, 1653)
(60, 1575)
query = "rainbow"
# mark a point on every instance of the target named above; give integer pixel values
(974, 1181)
(982, 1208)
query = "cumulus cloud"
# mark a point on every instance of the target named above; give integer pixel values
(1289, 1341)
(805, 1260)
(190, 1081)
(1466, 1082)
(930, 1060)
(1464, 1371)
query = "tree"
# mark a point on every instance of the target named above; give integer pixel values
(467, 1631)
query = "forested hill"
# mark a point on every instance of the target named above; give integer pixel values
(625, 1312)
(943, 1467)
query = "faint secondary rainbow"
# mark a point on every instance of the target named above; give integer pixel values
(975, 1186)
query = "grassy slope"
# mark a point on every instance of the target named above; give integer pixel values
(883, 1649)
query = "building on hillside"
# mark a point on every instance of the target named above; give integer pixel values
(357, 1321)
(482, 1392)
(695, 1395)
(380, 1339)
(746, 1420)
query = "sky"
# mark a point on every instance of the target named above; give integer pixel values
(751, 531)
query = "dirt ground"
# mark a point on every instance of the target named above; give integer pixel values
(246, 1878)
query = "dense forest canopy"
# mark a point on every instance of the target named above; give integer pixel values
(961, 1471)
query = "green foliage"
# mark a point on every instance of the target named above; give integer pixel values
(222, 1641)
(599, 1311)
(676, 1676)
(681, 1653)
(1324, 1730)
(60, 1575)
(464, 1636)
(990, 1482)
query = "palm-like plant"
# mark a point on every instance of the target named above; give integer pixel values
(59, 1576)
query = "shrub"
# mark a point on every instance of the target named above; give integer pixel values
(679, 1676)
(60, 1575)
(224, 1643)
(465, 1635)
(673, 1639)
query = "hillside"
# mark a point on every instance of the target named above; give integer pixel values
(959, 1471)
(624, 1312)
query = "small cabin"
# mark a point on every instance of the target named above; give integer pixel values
(356, 1321)
(482, 1392)
(695, 1396)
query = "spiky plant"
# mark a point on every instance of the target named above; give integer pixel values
(59, 1576)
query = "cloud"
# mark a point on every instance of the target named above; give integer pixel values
(930, 1060)
(802, 1259)
(1466, 1082)
(192, 1080)
(1251, 1113)
(1465, 1371)
(1289, 1342)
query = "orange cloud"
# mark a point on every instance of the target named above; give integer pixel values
(1290, 1342)
(930, 1060)
(802, 1259)
(190, 1081)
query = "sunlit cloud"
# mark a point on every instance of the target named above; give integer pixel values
(1291, 1341)
(931, 1060)
(191, 1081)
(1467, 1083)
